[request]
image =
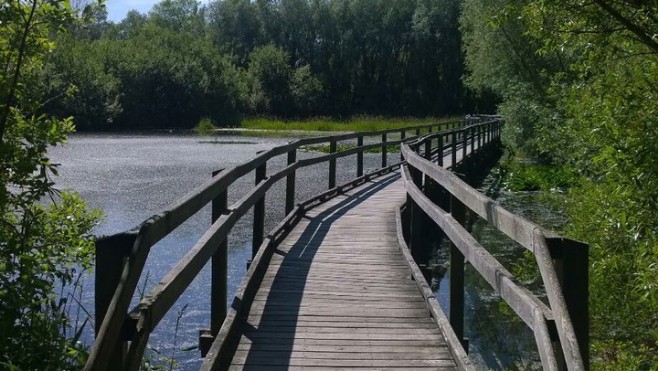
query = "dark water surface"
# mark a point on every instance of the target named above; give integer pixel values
(132, 177)
(499, 339)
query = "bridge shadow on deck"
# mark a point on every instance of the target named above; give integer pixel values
(273, 335)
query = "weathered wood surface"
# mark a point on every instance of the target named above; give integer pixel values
(338, 293)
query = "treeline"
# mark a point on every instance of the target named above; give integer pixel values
(579, 86)
(291, 58)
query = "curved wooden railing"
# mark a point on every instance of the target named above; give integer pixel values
(561, 327)
(123, 333)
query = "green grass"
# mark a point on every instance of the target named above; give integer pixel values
(537, 177)
(205, 127)
(363, 123)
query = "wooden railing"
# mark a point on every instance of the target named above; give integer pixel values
(122, 333)
(561, 327)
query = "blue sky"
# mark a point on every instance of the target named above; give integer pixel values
(117, 9)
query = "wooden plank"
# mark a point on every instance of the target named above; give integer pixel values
(324, 353)
(431, 332)
(342, 363)
(347, 312)
(255, 318)
(293, 325)
(328, 368)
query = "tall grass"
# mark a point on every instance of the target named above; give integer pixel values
(361, 123)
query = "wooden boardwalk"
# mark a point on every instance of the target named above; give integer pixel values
(334, 285)
(338, 293)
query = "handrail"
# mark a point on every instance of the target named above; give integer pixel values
(539, 317)
(127, 251)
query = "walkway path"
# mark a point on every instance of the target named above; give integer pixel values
(338, 293)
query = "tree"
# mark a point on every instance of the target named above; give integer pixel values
(179, 15)
(268, 66)
(306, 90)
(42, 245)
(578, 81)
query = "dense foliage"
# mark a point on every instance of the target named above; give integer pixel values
(43, 247)
(579, 81)
(292, 59)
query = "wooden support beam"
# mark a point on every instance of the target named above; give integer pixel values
(111, 254)
(384, 150)
(332, 165)
(403, 135)
(454, 149)
(458, 212)
(571, 260)
(259, 213)
(290, 183)
(219, 278)
(440, 157)
(359, 158)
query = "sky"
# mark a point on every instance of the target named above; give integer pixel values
(117, 9)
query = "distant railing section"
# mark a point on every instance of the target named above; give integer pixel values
(122, 333)
(560, 328)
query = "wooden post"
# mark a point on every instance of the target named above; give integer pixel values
(417, 131)
(259, 213)
(479, 133)
(458, 212)
(571, 260)
(218, 278)
(440, 159)
(332, 164)
(489, 133)
(384, 150)
(403, 135)
(290, 183)
(219, 282)
(359, 157)
(464, 143)
(111, 254)
(454, 149)
(472, 131)
(416, 218)
(428, 156)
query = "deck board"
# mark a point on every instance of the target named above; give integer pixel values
(338, 294)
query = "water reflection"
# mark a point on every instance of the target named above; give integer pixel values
(499, 340)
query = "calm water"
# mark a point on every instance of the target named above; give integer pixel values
(132, 177)
(498, 339)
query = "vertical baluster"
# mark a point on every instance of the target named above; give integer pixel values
(259, 213)
(403, 134)
(384, 150)
(332, 164)
(218, 278)
(290, 183)
(454, 149)
(440, 157)
(464, 143)
(359, 157)
(111, 254)
(458, 212)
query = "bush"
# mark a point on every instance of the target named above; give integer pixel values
(205, 127)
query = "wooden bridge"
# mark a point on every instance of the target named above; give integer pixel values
(337, 284)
